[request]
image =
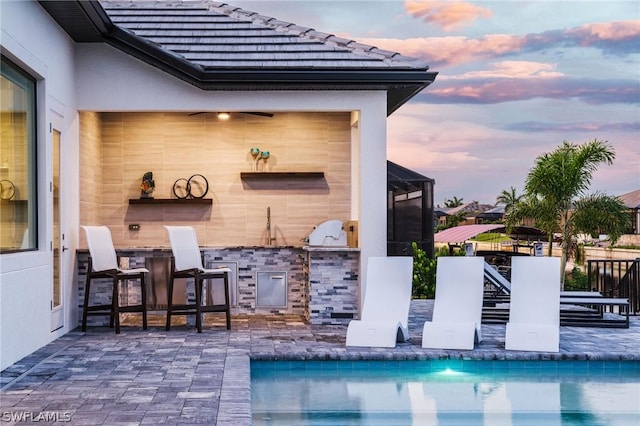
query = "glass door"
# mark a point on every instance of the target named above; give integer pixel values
(57, 306)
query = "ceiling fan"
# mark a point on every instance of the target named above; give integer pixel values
(225, 115)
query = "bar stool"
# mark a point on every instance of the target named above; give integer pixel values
(103, 263)
(186, 262)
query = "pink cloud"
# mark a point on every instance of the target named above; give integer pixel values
(614, 38)
(497, 90)
(511, 69)
(613, 31)
(439, 51)
(475, 153)
(446, 14)
(511, 80)
(599, 128)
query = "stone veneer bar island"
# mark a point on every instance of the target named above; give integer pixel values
(320, 283)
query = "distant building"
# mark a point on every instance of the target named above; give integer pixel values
(493, 215)
(410, 215)
(470, 210)
(632, 201)
(440, 216)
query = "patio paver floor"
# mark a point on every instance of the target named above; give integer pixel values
(181, 377)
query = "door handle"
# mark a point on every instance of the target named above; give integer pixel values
(65, 248)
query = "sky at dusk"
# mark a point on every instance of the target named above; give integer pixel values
(516, 79)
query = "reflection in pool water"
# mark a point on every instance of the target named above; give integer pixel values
(445, 393)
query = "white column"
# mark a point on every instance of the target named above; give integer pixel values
(372, 181)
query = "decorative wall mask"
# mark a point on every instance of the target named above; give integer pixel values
(147, 186)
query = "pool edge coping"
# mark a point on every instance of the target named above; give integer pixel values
(234, 408)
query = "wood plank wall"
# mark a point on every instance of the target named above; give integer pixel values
(118, 148)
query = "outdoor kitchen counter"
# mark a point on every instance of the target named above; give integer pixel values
(168, 249)
(330, 248)
(332, 284)
(321, 282)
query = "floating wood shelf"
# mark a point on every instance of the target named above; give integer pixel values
(281, 175)
(12, 201)
(175, 201)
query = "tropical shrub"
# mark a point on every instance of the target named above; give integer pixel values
(424, 271)
(424, 274)
(577, 281)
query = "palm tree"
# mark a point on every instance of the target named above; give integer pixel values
(599, 213)
(556, 194)
(509, 199)
(455, 202)
(541, 211)
(456, 219)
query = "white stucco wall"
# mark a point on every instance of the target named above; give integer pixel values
(109, 80)
(32, 40)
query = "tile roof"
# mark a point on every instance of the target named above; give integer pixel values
(470, 207)
(215, 46)
(496, 210)
(631, 199)
(460, 234)
(400, 178)
(218, 35)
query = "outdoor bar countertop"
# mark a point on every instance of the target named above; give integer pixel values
(234, 247)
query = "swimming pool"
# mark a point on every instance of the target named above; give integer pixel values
(462, 392)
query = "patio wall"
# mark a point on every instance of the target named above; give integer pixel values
(601, 253)
(176, 145)
(591, 253)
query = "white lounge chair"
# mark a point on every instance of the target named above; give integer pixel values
(385, 311)
(496, 278)
(534, 310)
(457, 310)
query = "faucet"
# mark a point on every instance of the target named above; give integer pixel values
(270, 239)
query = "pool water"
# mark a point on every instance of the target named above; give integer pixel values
(445, 393)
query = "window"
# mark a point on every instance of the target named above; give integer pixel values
(17, 159)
